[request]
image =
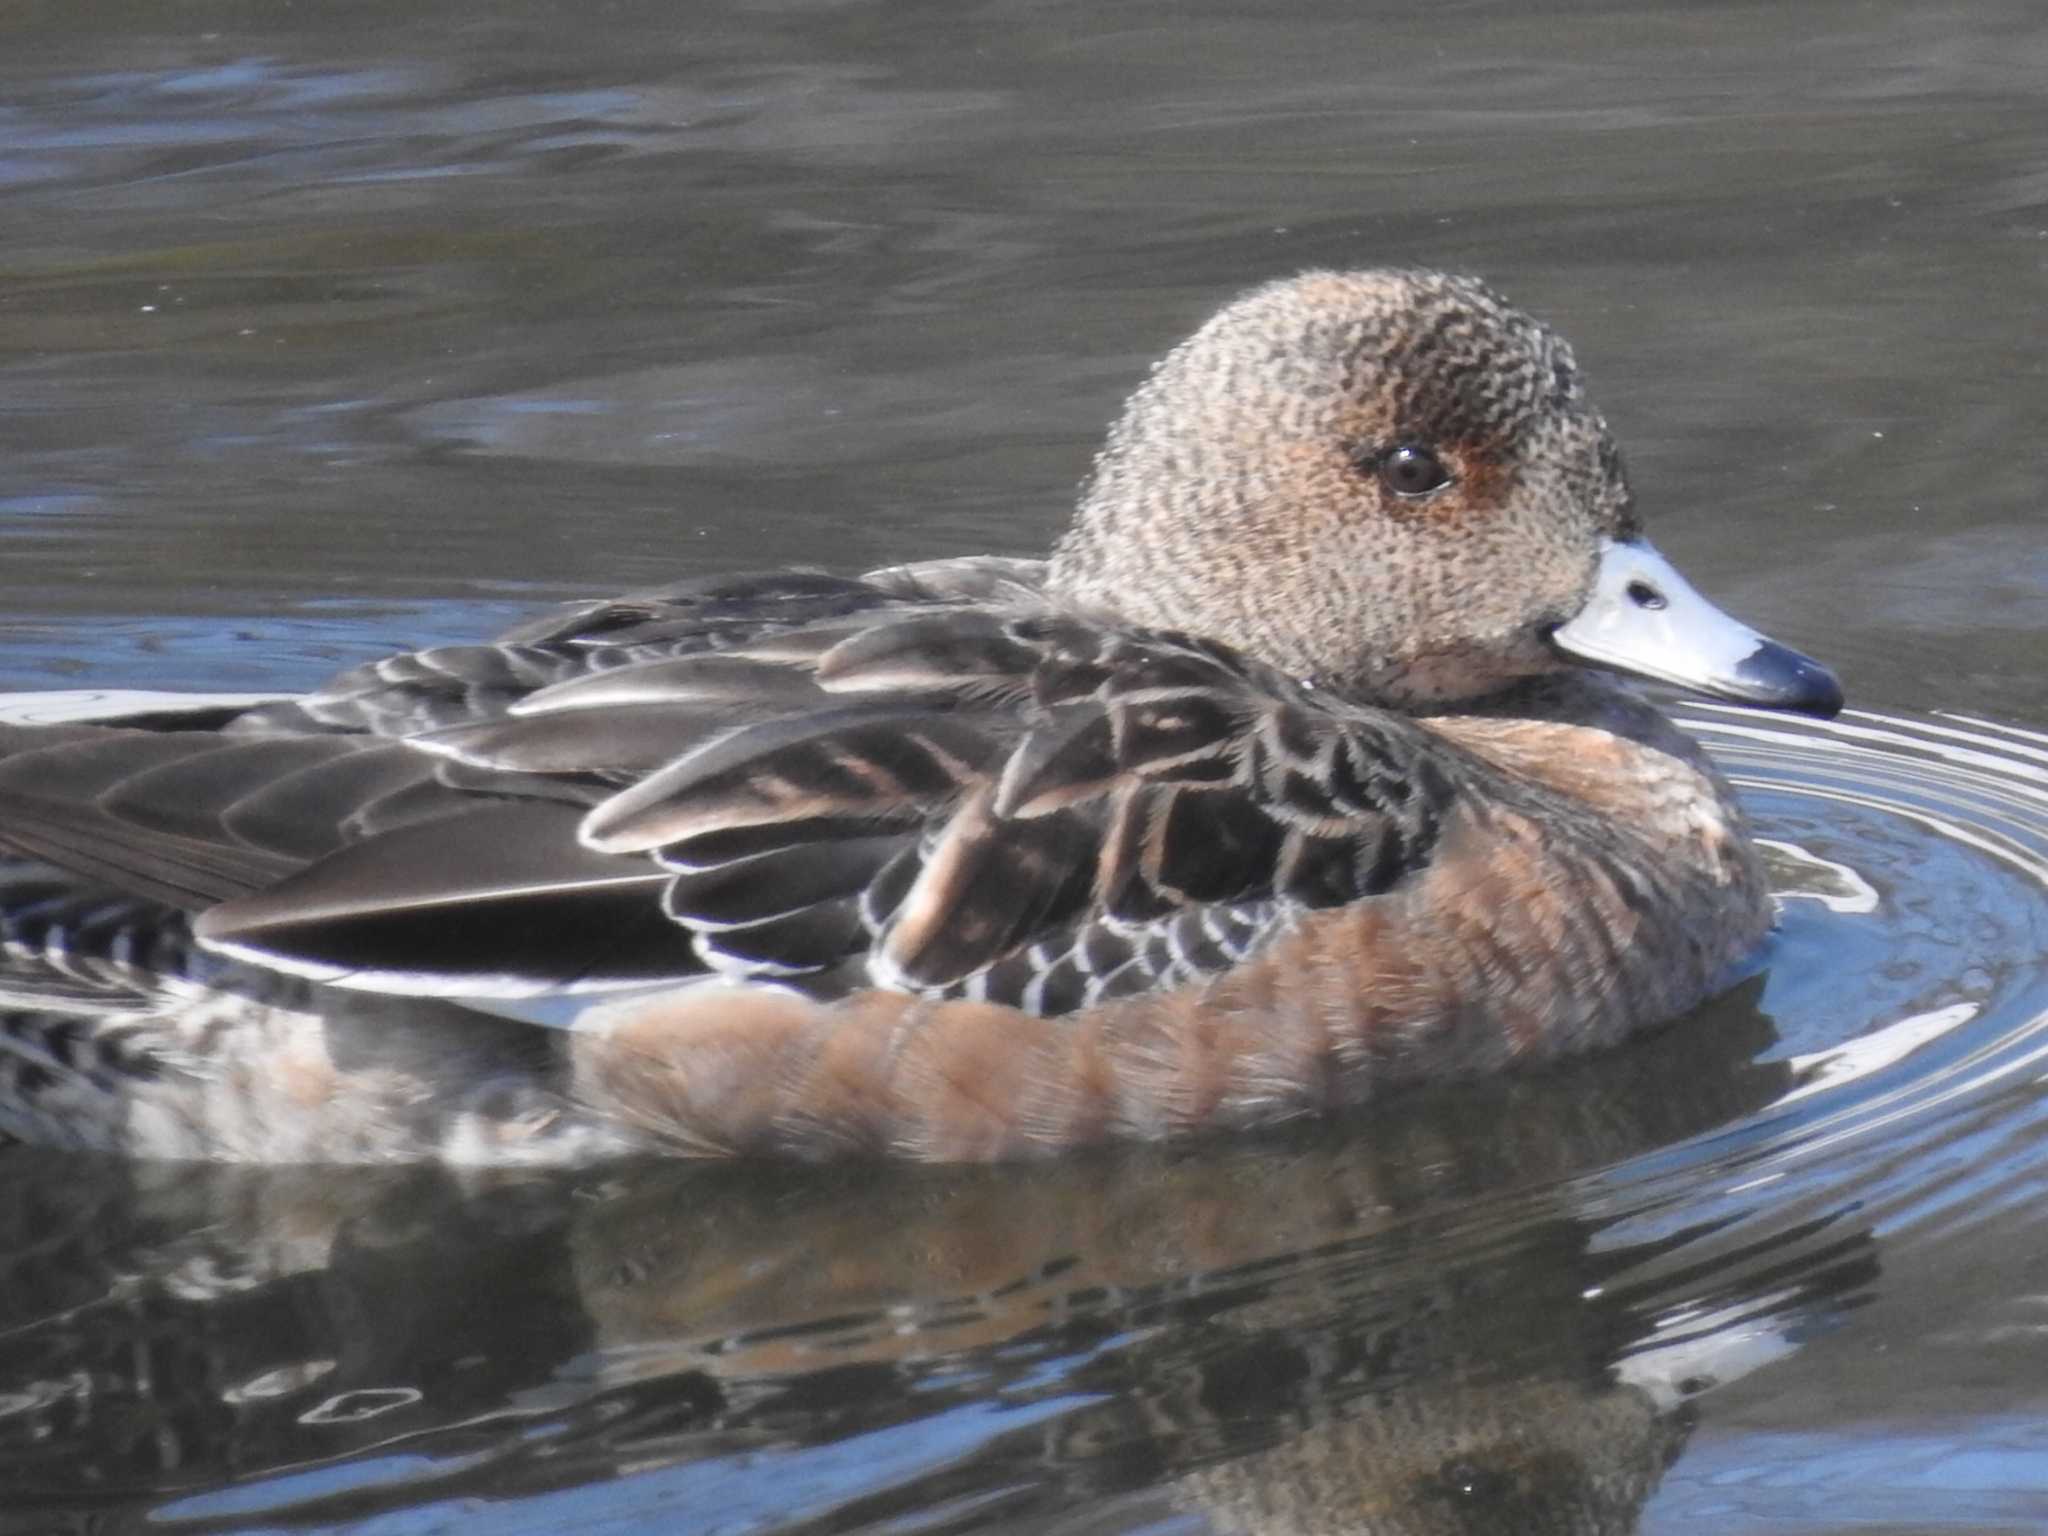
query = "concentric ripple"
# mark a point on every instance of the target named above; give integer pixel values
(1908, 986)
(1920, 846)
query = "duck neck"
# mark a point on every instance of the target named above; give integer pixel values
(1578, 696)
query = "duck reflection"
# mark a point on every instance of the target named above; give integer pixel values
(1405, 1323)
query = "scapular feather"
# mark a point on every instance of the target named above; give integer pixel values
(82, 767)
(940, 652)
(204, 783)
(1059, 766)
(873, 760)
(306, 814)
(629, 739)
(811, 938)
(497, 852)
(699, 678)
(989, 885)
(772, 884)
(712, 850)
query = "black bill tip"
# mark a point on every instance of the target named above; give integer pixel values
(1775, 676)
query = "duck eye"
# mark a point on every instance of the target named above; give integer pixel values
(1411, 471)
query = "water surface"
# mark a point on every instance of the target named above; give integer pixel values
(329, 329)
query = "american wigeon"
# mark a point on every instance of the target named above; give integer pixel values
(1300, 771)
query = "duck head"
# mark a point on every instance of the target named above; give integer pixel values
(1390, 484)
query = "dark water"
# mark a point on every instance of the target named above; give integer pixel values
(329, 328)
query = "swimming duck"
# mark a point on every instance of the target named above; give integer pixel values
(1303, 769)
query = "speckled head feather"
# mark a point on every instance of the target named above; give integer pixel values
(1275, 439)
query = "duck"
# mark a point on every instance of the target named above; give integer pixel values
(1314, 763)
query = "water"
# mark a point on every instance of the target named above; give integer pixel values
(325, 330)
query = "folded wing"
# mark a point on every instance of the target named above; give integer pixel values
(927, 780)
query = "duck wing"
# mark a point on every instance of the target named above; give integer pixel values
(194, 810)
(925, 779)
(1170, 808)
(1028, 808)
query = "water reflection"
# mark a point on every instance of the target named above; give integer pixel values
(1412, 1309)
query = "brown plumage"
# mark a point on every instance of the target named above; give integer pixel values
(1271, 790)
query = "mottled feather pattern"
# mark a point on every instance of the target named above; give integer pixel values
(913, 786)
(869, 781)
(1046, 777)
